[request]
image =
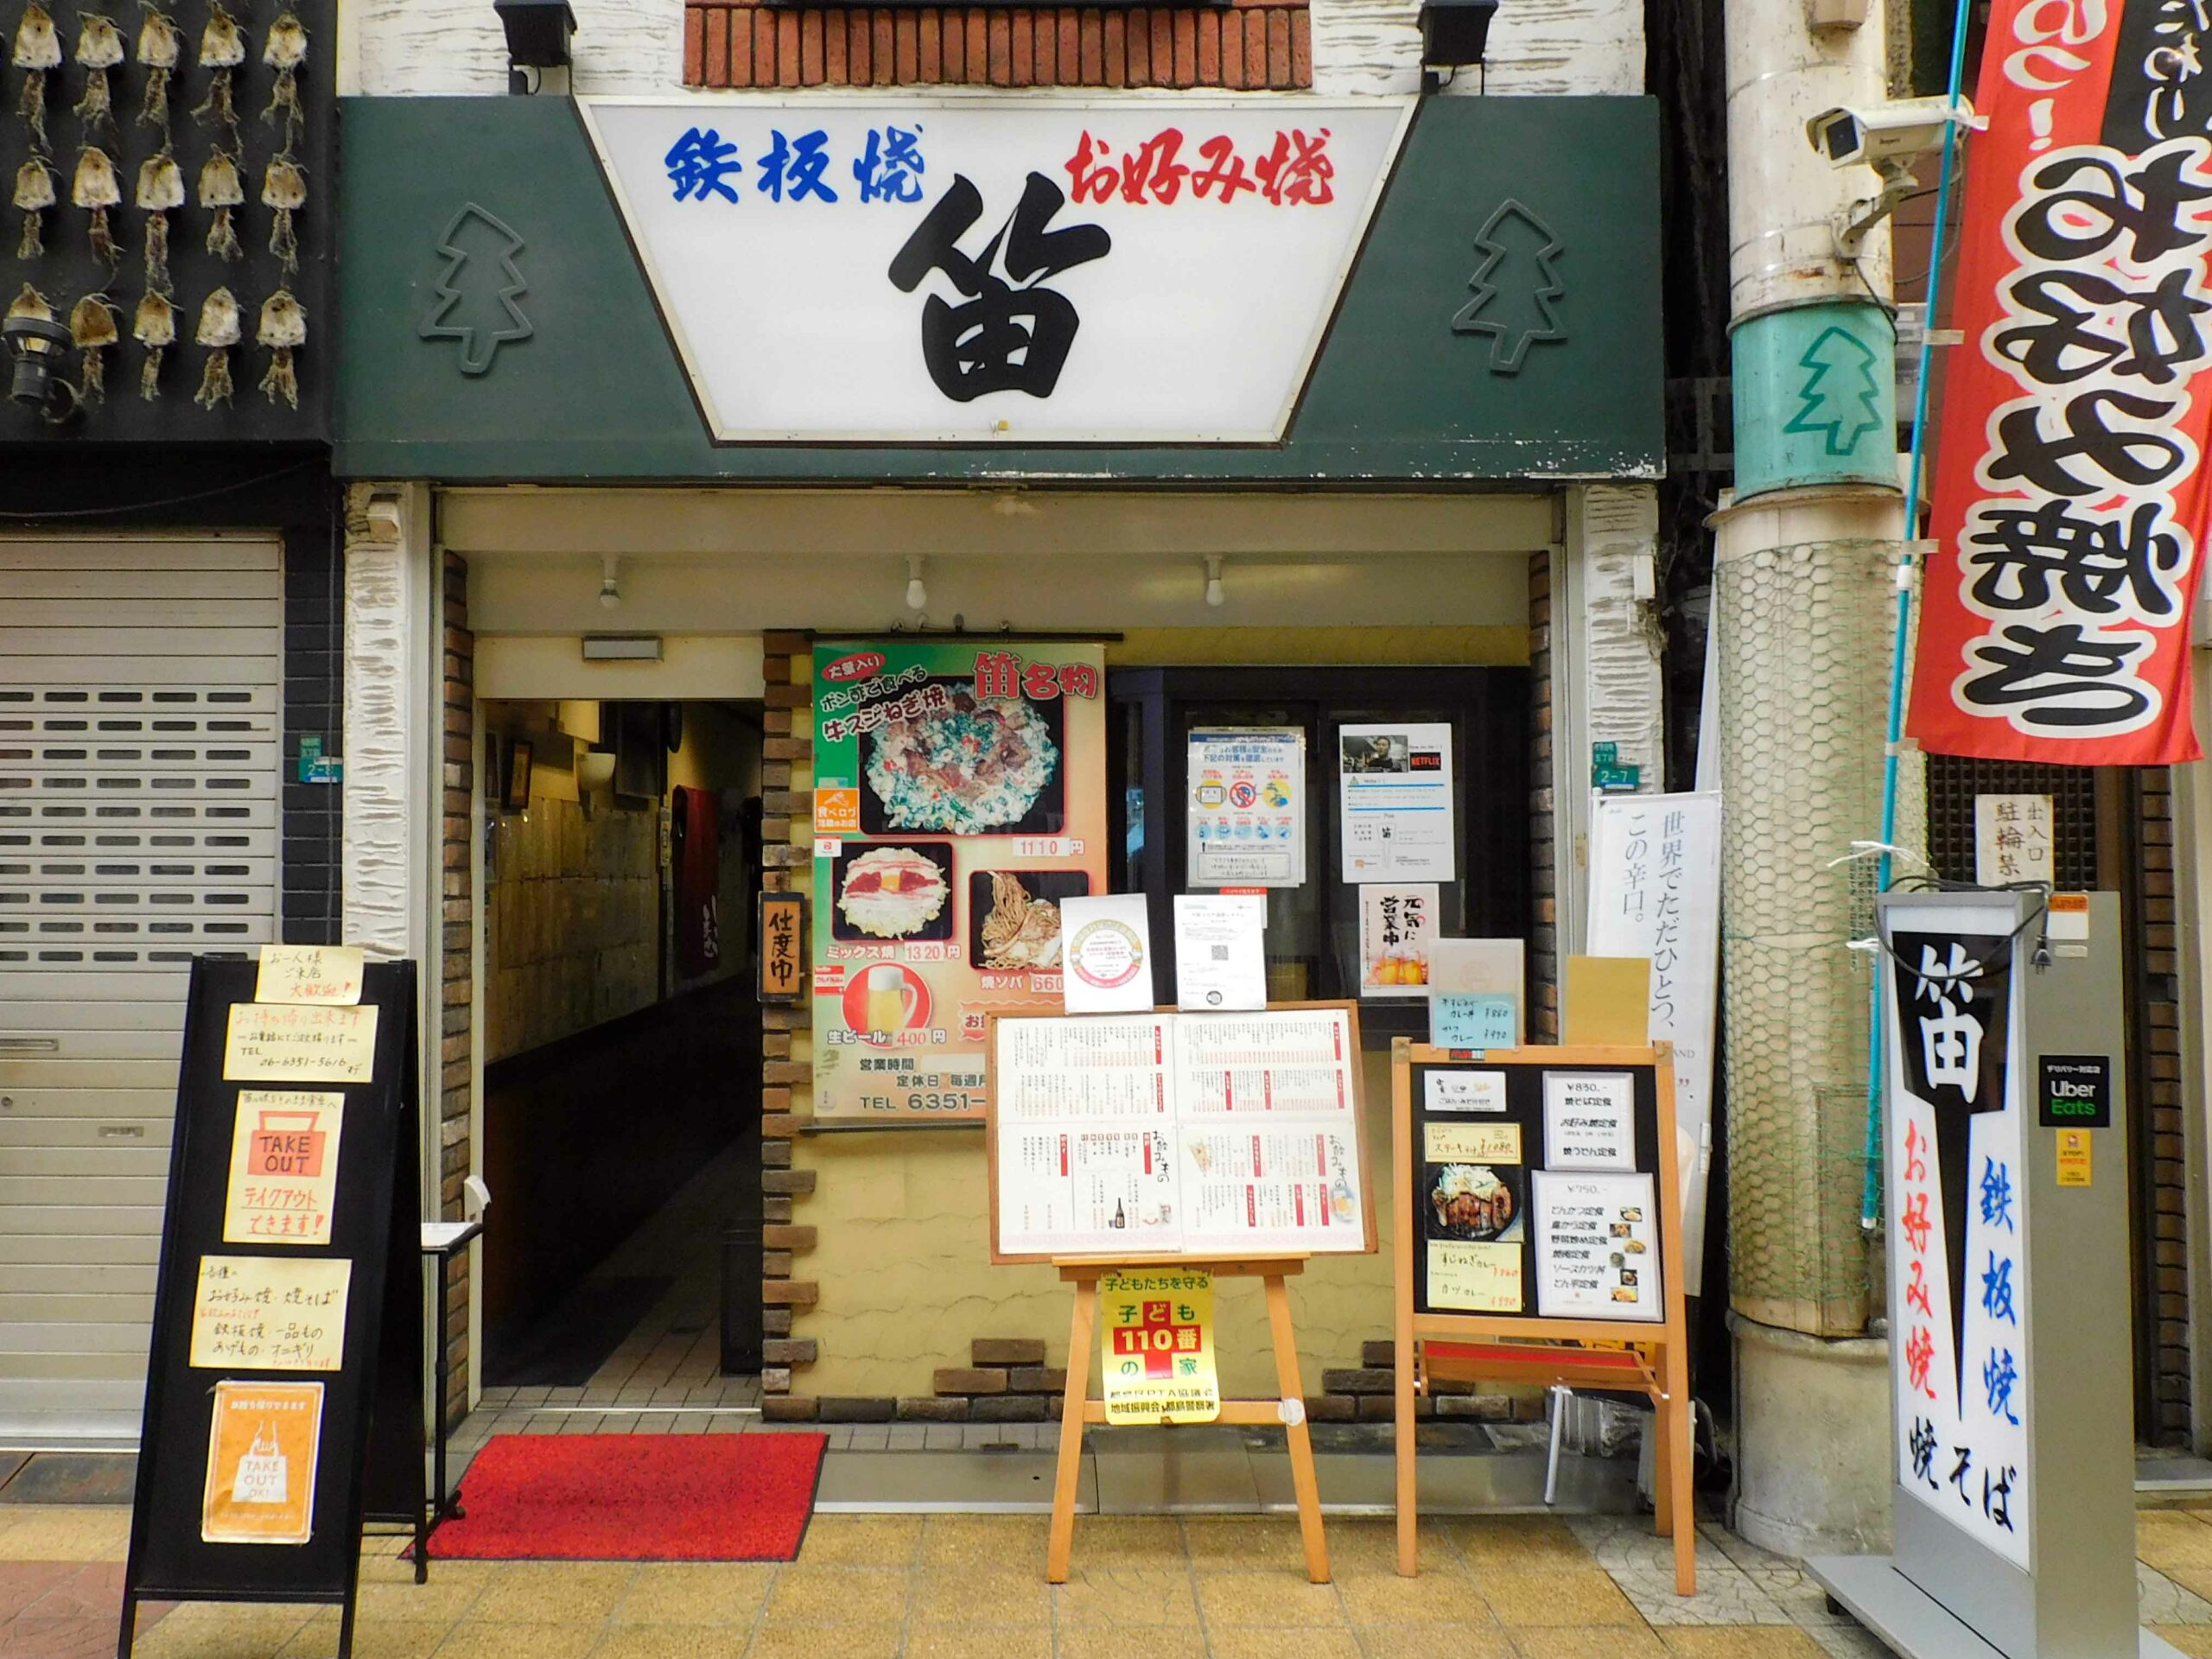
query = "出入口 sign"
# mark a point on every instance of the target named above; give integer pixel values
(1059, 272)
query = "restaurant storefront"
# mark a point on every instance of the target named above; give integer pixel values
(1106, 424)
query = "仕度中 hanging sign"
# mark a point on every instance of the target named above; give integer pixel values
(1070, 271)
(2069, 486)
(959, 802)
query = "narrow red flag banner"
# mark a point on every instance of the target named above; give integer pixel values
(2070, 480)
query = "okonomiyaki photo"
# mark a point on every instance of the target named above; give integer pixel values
(976, 767)
(894, 893)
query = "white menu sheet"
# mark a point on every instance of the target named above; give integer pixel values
(1190, 1134)
(1597, 1247)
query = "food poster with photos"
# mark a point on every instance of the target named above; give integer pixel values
(1955, 1141)
(959, 800)
(1225, 1134)
(1511, 1162)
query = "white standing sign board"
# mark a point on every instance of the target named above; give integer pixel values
(1033, 270)
(1654, 892)
(1209, 1135)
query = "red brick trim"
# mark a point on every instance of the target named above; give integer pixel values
(1260, 44)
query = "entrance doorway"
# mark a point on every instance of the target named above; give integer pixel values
(622, 1045)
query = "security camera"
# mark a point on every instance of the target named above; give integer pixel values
(1887, 132)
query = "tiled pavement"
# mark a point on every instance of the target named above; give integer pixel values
(872, 1587)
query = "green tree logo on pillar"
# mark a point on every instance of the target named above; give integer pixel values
(1839, 393)
(1515, 287)
(476, 293)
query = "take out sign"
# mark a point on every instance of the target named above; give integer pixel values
(1057, 270)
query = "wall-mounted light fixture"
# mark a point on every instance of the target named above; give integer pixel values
(1215, 595)
(610, 583)
(595, 776)
(1453, 34)
(538, 33)
(39, 346)
(917, 596)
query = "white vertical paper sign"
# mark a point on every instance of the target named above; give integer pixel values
(1655, 891)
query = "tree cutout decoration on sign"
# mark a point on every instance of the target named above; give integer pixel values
(477, 291)
(1515, 288)
(1838, 395)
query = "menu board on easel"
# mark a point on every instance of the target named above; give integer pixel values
(1536, 1176)
(286, 1307)
(1205, 1135)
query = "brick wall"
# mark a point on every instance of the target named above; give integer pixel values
(1544, 842)
(1251, 44)
(454, 994)
(786, 858)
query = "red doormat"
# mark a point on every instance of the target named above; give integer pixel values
(635, 1497)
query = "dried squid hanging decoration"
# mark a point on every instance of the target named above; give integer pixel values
(30, 303)
(222, 189)
(286, 52)
(284, 330)
(91, 325)
(222, 49)
(95, 187)
(284, 188)
(38, 52)
(160, 189)
(34, 195)
(99, 48)
(154, 328)
(218, 332)
(160, 48)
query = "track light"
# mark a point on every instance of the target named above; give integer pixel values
(610, 586)
(918, 597)
(1216, 598)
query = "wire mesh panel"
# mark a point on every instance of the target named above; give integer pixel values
(1804, 665)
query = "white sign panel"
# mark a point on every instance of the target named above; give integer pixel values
(1589, 1120)
(1597, 1247)
(1247, 802)
(1036, 270)
(2011, 840)
(1189, 1133)
(1654, 892)
(1955, 1143)
(1394, 787)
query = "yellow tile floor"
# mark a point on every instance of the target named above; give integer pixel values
(935, 1587)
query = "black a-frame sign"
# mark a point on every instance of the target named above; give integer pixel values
(323, 1449)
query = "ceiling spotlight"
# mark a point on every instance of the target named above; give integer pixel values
(610, 586)
(917, 596)
(1215, 597)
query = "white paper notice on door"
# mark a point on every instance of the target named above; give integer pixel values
(1394, 785)
(1597, 1247)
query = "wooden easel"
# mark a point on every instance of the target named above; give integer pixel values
(1289, 1409)
(1630, 1356)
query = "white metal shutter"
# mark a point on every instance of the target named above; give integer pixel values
(140, 740)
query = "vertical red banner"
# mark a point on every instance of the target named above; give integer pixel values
(2069, 486)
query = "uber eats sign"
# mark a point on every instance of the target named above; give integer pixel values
(2077, 1091)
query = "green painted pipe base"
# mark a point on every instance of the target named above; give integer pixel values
(1815, 398)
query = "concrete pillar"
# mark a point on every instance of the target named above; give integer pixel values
(1802, 594)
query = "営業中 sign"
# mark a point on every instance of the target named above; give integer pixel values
(1071, 270)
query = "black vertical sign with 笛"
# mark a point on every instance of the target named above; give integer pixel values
(375, 1224)
(1954, 993)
